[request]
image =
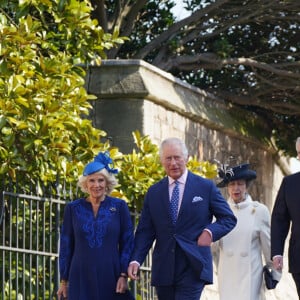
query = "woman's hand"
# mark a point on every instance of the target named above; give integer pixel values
(122, 285)
(62, 292)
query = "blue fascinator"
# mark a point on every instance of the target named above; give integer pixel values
(101, 161)
(235, 173)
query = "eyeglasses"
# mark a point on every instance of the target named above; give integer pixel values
(175, 158)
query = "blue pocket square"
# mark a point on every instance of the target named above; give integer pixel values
(197, 199)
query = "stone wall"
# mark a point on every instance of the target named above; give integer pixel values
(133, 95)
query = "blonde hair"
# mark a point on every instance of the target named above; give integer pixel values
(110, 180)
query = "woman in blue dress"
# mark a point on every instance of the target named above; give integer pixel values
(96, 239)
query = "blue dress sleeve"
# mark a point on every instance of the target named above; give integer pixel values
(66, 243)
(126, 237)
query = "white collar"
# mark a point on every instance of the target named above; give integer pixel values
(242, 204)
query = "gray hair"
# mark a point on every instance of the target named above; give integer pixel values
(110, 180)
(298, 140)
(174, 141)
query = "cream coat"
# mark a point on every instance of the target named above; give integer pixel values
(243, 252)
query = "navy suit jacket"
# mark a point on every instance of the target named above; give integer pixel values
(201, 201)
(286, 212)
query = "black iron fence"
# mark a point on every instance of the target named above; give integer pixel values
(29, 237)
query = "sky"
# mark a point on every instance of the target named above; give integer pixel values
(179, 11)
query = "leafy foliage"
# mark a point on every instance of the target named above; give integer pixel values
(43, 99)
(138, 171)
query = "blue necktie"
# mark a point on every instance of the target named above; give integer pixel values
(174, 202)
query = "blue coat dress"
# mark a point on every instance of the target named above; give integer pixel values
(95, 250)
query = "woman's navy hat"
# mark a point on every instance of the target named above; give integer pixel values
(235, 173)
(101, 161)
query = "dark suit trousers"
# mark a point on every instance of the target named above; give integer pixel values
(296, 277)
(187, 286)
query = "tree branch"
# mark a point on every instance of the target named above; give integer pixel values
(126, 19)
(176, 27)
(280, 108)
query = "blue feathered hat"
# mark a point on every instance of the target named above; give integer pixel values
(101, 161)
(235, 173)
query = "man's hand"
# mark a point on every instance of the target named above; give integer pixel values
(278, 262)
(133, 270)
(204, 239)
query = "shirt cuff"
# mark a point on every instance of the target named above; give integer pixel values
(211, 235)
(135, 262)
(278, 255)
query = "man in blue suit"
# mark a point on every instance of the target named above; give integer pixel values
(285, 215)
(182, 259)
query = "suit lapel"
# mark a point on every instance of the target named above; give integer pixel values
(165, 197)
(187, 195)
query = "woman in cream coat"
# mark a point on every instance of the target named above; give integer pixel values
(244, 251)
